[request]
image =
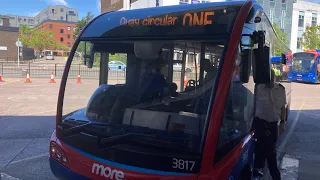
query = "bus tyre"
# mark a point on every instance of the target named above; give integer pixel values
(246, 172)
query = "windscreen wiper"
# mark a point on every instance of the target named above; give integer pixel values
(81, 125)
(143, 140)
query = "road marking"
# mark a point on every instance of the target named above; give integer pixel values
(5, 176)
(290, 168)
(29, 158)
(286, 138)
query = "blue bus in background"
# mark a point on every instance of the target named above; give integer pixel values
(285, 72)
(306, 67)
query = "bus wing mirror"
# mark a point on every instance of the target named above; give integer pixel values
(283, 59)
(261, 67)
(91, 56)
(245, 66)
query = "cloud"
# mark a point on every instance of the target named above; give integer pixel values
(32, 14)
(58, 2)
(99, 5)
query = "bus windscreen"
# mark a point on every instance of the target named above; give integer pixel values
(303, 62)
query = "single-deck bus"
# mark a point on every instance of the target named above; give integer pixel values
(306, 67)
(149, 121)
(282, 70)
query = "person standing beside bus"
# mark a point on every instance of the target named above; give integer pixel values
(270, 109)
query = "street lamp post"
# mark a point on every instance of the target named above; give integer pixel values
(18, 44)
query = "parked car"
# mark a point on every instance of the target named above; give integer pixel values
(117, 65)
(178, 67)
(49, 57)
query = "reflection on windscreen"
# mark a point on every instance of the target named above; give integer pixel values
(304, 65)
(167, 96)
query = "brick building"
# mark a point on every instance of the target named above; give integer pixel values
(62, 31)
(8, 38)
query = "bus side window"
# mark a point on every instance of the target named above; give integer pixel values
(238, 112)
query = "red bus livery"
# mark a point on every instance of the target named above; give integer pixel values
(180, 104)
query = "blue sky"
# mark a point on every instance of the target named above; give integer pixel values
(32, 7)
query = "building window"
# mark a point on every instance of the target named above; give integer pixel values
(271, 16)
(74, 28)
(61, 9)
(61, 39)
(299, 39)
(50, 26)
(68, 36)
(71, 13)
(301, 19)
(68, 44)
(68, 28)
(61, 31)
(284, 6)
(184, 1)
(283, 16)
(52, 10)
(272, 4)
(314, 19)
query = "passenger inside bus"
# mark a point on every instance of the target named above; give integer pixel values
(152, 83)
(209, 69)
(151, 86)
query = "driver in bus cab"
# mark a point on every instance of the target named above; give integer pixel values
(270, 110)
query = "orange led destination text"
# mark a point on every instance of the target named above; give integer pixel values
(189, 19)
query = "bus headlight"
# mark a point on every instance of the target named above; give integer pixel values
(64, 159)
(57, 153)
(53, 150)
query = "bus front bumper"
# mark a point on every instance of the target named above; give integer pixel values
(64, 173)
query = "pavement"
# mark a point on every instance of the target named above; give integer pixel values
(27, 120)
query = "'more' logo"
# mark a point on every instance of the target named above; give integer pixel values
(107, 172)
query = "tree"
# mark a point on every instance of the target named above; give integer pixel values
(81, 24)
(25, 34)
(63, 47)
(311, 38)
(39, 39)
(42, 39)
(282, 36)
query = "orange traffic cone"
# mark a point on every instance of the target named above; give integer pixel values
(1, 78)
(52, 78)
(79, 79)
(28, 78)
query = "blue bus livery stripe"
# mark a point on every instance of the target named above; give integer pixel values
(128, 167)
(276, 59)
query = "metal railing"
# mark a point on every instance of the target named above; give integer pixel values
(14, 60)
(45, 70)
